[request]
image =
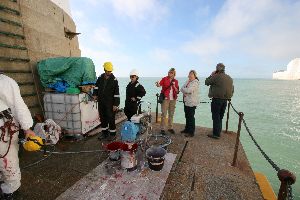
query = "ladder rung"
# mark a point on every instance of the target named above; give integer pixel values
(7, 9)
(9, 34)
(10, 22)
(16, 71)
(12, 46)
(14, 59)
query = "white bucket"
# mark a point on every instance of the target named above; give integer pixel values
(128, 160)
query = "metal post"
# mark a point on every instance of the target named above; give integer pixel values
(241, 115)
(228, 107)
(156, 119)
(286, 177)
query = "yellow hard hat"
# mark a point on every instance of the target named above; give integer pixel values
(33, 143)
(108, 66)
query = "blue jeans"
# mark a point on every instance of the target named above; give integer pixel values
(218, 107)
(189, 119)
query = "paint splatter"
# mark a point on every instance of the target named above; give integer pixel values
(5, 162)
(118, 176)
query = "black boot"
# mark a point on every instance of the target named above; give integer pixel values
(103, 135)
(5, 196)
(112, 136)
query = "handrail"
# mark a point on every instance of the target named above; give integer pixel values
(286, 177)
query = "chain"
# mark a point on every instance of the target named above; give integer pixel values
(256, 144)
(234, 108)
(271, 162)
(289, 191)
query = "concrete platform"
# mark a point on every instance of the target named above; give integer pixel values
(202, 170)
(111, 182)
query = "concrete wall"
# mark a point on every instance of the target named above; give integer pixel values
(64, 4)
(33, 31)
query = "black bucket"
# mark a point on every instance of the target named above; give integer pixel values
(156, 158)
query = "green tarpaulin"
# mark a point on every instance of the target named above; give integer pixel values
(74, 70)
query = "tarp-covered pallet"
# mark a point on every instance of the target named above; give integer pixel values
(64, 73)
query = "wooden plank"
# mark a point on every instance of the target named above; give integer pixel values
(113, 183)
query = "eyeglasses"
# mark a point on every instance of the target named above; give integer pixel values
(171, 72)
(132, 76)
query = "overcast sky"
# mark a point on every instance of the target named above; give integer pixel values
(253, 38)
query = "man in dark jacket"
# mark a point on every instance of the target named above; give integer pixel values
(107, 93)
(134, 93)
(221, 90)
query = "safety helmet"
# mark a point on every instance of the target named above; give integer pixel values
(108, 66)
(33, 143)
(134, 72)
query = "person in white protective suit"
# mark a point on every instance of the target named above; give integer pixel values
(14, 115)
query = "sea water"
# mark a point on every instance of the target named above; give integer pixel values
(272, 112)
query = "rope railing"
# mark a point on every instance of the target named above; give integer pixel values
(286, 177)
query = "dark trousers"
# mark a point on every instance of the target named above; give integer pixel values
(107, 117)
(218, 107)
(189, 119)
(131, 109)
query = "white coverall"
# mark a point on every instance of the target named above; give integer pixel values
(10, 97)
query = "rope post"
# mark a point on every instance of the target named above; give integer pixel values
(286, 178)
(156, 114)
(228, 107)
(241, 115)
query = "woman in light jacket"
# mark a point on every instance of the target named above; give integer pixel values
(190, 92)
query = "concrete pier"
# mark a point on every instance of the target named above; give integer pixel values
(202, 170)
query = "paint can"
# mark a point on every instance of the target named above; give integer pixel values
(156, 158)
(128, 156)
(114, 150)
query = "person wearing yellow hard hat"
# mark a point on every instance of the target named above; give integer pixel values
(106, 91)
(13, 114)
(134, 93)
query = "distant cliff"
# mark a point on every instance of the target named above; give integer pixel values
(292, 72)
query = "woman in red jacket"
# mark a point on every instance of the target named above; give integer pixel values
(170, 89)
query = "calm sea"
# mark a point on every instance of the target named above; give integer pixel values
(272, 112)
